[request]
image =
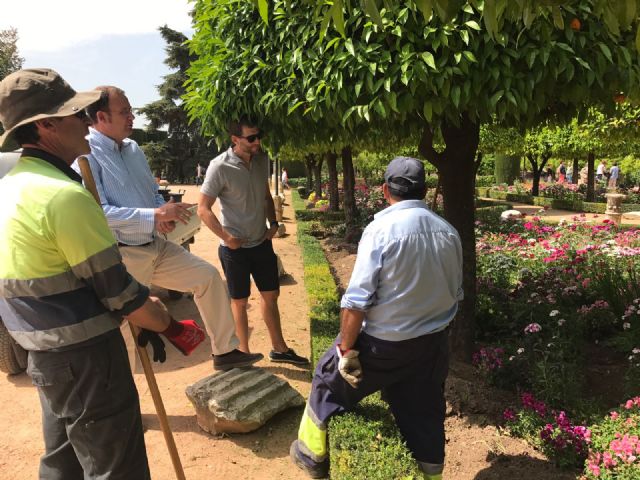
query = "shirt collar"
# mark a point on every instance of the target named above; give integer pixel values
(101, 139)
(401, 205)
(53, 160)
(233, 158)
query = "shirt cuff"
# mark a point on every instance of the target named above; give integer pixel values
(147, 220)
(351, 305)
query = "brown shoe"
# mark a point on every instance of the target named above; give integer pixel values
(235, 359)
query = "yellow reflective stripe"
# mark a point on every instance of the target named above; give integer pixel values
(437, 476)
(312, 437)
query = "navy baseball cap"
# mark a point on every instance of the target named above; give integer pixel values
(409, 169)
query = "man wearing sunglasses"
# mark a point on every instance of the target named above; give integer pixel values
(137, 213)
(238, 177)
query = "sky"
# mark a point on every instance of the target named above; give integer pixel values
(114, 43)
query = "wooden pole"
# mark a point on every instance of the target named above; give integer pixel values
(90, 184)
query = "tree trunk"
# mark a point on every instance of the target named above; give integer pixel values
(348, 185)
(456, 166)
(334, 199)
(308, 166)
(576, 171)
(317, 176)
(591, 160)
(537, 172)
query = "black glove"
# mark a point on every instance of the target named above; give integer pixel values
(147, 336)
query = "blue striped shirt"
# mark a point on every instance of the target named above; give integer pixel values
(408, 273)
(128, 192)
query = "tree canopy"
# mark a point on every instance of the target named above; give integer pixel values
(406, 76)
(10, 60)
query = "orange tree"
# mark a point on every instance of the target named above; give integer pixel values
(407, 75)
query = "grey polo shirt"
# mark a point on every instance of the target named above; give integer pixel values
(242, 192)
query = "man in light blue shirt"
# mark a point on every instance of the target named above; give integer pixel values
(136, 213)
(403, 293)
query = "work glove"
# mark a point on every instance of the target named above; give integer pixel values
(185, 335)
(147, 336)
(349, 366)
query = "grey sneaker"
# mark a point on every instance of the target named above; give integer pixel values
(288, 357)
(235, 359)
(311, 468)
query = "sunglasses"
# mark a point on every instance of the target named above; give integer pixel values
(82, 115)
(252, 138)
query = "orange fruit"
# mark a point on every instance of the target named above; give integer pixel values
(575, 25)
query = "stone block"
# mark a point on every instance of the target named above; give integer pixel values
(240, 400)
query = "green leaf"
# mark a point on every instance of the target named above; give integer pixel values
(464, 35)
(325, 24)
(358, 88)
(583, 63)
(638, 38)
(496, 98)
(263, 8)
(296, 105)
(455, 95)
(427, 110)
(379, 107)
(457, 57)
(429, 59)
(387, 84)
(558, 21)
(393, 101)
(349, 46)
(490, 17)
(348, 113)
(473, 24)
(371, 9)
(606, 51)
(426, 7)
(338, 17)
(470, 56)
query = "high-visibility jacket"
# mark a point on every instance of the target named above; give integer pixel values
(62, 280)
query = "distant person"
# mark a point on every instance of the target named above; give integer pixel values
(614, 174)
(570, 174)
(561, 171)
(601, 171)
(200, 171)
(138, 215)
(285, 179)
(548, 175)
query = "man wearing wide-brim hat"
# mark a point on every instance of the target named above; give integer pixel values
(64, 289)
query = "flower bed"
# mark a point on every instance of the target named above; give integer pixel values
(546, 295)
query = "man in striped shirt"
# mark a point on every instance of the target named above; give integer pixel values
(136, 214)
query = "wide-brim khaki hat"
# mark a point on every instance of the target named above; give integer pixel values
(33, 94)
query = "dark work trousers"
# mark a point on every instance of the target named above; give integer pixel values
(410, 374)
(90, 412)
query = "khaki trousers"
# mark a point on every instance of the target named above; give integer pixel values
(170, 266)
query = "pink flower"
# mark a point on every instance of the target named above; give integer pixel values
(532, 328)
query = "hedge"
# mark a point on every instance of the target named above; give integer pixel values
(559, 204)
(364, 443)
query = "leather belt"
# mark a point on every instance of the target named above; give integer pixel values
(120, 244)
